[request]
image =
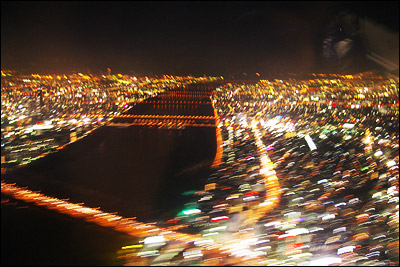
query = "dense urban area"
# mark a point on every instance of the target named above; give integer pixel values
(306, 170)
(40, 114)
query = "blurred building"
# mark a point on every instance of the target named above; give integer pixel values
(355, 43)
(381, 45)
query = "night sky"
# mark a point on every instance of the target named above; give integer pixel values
(148, 38)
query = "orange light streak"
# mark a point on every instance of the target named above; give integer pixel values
(162, 117)
(126, 225)
(218, 156)
(271, 182)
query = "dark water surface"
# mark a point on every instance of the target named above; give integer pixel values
(34, 236)
(135, 171)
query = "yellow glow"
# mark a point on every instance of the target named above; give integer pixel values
(132, 246)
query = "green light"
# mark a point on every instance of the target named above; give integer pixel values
(365, 168)
(189, 192)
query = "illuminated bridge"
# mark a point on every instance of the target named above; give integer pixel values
(163, 120)
(188, 106)
(129, 226)
(176, 102)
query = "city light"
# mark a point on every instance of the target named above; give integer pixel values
(298, 177)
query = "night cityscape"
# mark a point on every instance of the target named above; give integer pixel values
(200, 133)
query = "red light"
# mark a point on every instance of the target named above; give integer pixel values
(294, 247)
(217, 219)
(252, 193)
